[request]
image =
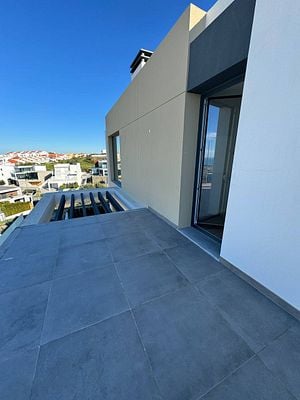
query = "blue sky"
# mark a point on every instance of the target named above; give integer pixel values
(63, 63)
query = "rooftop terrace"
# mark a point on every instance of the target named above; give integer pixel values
(122, 306)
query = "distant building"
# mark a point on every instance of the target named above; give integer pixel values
(13, 194)
(6, 168)
(31, 156)
(100, 170)
(66, 174)
(29, 176)
(100, 155)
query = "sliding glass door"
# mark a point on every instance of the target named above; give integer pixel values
(218, 142)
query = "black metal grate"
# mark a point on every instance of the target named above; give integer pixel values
(82, 206)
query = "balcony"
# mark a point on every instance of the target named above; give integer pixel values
(122, 306)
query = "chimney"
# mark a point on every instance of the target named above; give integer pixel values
(140, 60)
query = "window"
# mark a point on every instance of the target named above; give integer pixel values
(116, 159)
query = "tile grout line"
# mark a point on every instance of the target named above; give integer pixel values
(140, 255)
(33, 284)
(189, 286)
(48, 299)
(206, 278)
(266, 366)
(160, 250)
(6, 246)
(274, 339)
(277, 378)
(34, 372)
(86, 327)
(89, 325)
(106, 265)
(138, 333)
(182, 273)
(53, 278)
(25, 287)
(146, 353)
(178, 268)
(234, 326)
(226, 377)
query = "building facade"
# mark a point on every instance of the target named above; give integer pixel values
(66, 174)
(207, 135)
(30, 178)
(13, 194)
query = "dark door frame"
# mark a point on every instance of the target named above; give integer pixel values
(203, 116)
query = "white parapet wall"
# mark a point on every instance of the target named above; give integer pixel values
(262, 231)
(8, 232)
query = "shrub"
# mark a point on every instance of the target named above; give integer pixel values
(69, 186)
(14, 208)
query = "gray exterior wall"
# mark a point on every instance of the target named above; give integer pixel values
(157, 121)
(220, 51)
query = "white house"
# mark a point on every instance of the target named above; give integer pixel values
(66, 174)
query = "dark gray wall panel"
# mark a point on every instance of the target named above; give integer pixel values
(222, 48)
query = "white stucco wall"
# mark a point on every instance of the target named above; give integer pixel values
(262, 231)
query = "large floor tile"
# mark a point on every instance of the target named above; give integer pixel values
(252, 381)
(149, 276)
(282, 357)
(16, 273)
(82, 257)
(34, 242)
(16, 376)
(131, 245)
(9, 242)
(105, 361)
(75, 235)
(21, 317)
(145, 217)
(81, 300)
(166, 236)
(257, 319)
(194, 263)
(119, 227)
(190, 346)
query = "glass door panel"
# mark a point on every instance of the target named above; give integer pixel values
(218, 149)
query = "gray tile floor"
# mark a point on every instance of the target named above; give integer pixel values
(122, 306)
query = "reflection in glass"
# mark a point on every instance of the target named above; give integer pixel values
(219, 142)
(116, 149)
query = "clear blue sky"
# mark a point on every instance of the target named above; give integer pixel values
(63, 63)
